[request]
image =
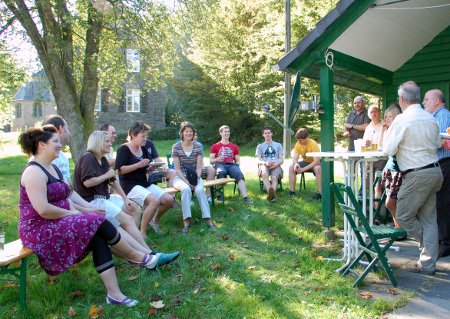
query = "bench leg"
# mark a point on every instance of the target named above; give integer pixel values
(23, 284)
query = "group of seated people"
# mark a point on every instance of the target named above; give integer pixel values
(107, 215)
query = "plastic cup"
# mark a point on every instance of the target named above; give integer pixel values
(358, 145)
(99, 202)
(163, 182)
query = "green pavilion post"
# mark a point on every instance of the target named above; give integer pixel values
(327, 143)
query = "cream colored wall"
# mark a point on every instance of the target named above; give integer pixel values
(27, 120)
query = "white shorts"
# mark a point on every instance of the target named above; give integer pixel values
(113, 207)
(138, 194)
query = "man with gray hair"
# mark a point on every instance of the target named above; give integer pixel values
(413, 138)
(356, 123)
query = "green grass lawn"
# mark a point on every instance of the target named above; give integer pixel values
(264, 262)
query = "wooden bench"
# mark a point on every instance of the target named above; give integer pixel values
(13, 261)
(215, 184)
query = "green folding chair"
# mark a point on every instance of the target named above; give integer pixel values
(370, 248)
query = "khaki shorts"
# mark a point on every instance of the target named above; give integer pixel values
(276, 172)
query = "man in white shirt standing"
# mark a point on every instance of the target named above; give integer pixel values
(270, 156)
(414, 138)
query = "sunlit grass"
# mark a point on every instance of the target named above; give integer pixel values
(264, 262)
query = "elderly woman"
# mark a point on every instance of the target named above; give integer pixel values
(59, 235)
(94, 176)
(133, 161)
(392, 176)
(188, 155)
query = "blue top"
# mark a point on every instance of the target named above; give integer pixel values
(392, 164)
(442, 117)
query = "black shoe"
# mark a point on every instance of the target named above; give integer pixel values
(274, 198)
(444, 250)
(271, 194)
(402, 238)
(318, 196)
(291, 194)
(219, 198)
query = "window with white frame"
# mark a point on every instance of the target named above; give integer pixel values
(98, 101)
(133, 60)
(18, 111)
(133, 100)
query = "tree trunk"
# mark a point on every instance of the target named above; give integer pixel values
(55, 50)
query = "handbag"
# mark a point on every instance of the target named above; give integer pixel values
(191, 176)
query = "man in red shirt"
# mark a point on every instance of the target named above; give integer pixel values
(225, 156)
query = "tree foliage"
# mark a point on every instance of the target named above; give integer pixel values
(11, 79)
(81, 44)
(236, 45)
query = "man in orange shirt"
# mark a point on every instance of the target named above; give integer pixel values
(307, 164)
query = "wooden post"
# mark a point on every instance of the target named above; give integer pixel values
(327, 143)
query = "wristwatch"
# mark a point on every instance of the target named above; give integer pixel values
(353, 125)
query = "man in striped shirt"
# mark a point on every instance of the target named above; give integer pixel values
(434, 103)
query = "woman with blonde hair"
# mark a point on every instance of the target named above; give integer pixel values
(392, 176)
(60, 235)
(93, 177)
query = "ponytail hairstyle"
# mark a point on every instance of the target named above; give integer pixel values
(29, 140)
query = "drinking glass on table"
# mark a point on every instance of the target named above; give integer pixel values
(163, 182)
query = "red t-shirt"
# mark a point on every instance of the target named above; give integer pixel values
(228, 151)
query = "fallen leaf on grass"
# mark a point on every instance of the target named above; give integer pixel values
(225, 237)
(329, 298)
(209, 255)
(131, 278)
(319, 288)
(393, 291)
(198, 257)
(231, 209)
(152, 311)
(95, 312)
(11, 285)
(283, 251)
(71, 312)
(50, 279)
(195, 291)
(365, 295)
(251, 267)
(231, 257)
(178, 276)
(158, 304)
(272, 233)
(215, 266)
(77, 293)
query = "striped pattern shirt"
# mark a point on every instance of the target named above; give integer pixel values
(187, 161)
(442, 116)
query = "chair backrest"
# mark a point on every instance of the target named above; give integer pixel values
(352, 211)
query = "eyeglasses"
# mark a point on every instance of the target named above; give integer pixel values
(113, 133)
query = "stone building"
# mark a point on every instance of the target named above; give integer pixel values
(34, 101)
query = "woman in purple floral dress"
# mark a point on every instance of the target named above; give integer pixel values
(60, 235)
